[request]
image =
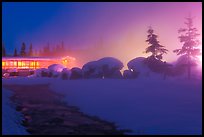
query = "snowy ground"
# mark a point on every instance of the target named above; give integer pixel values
(144, 105)
(11, 119)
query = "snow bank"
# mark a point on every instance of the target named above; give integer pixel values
(138, 65)
(76, 73)
(107, 67)
(11, 119)
(56, 68)
(146, 106)
(27, 80)
(91, 70)
(65, 74)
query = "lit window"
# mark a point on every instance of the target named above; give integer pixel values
(7, 64)
(31, 63)
(19, 64)
(23, 63)
(15, 63)
(3, 63)
(37, 63)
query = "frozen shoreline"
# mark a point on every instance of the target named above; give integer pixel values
(147, 106)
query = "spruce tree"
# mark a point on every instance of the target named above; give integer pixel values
(31, 50)
(15, 53)
(188, 38)
(155, 48)
(23, 48)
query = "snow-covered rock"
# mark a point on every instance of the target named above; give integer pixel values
(127, 74)
(65, 74)
(92, 70)
(115, 75)
(76, 73)
(56, 68)
(42, 72)
(137, 65)
(107, 67)
(110, 67)
(110, 63)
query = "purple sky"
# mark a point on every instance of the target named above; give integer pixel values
(122, 26)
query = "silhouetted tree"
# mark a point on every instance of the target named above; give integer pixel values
(31, 50)
(190, 43)
(46, 50)
(155, 48)
(15, 53)
(23, 48)
(36, 53)
(3, 50)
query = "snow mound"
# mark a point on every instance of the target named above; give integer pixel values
(107, 67)
(138, 65)
(41, 72)
(128, 74)
(76, 73)
(111, 63)
(65, 74)
(92, 70)
(56, 68)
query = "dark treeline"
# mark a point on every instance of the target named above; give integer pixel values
(45, 51)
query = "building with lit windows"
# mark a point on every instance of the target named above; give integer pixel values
(32, 63)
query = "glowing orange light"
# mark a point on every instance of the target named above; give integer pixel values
(37, 63)
(15, 63)
(19, 63)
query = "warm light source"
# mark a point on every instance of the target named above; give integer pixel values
(200, 58)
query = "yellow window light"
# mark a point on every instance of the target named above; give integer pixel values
(15, 63)
(19, 64)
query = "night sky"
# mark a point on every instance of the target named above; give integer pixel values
(122, 26)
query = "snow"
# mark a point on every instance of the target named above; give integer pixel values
(65, 74)
(38, 72)
(11, 119)
(146, 105)
(107, 67)
(56, 68)
(138, 65)
(111, 63)
(76, 73)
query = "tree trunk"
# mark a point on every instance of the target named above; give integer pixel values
(189, 68)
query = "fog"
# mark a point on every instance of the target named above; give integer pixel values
(96, 30)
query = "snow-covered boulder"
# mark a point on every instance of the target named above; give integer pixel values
(138, 66)
(42, 72)
(107, 67)
(110, 67)
(92, 70)
(65, 74)
(76, 73)
(56, 67)
(115, 75)
(127, 74)
(55, 70)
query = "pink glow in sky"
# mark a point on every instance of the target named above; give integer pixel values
(121, 26)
